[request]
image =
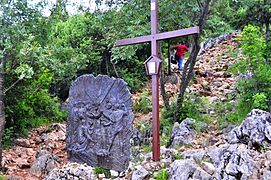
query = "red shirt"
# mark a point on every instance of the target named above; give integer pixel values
(181, 50)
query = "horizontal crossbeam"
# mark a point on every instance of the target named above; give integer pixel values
(158, 37)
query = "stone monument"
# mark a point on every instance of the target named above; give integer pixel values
(99, 125)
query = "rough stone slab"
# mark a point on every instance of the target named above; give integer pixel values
(99, 125)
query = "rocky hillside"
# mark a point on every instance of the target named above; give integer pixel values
(39, 153)
(239, 153)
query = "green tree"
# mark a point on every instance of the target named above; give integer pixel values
(15, 18)
(256, 12)
(254, 91)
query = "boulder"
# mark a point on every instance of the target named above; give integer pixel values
(23, 143)
(72, 171)
(186, 169)
(182, 133)
(266, 174)
(56, 132)
(255, 130)
(234, 161)
(44, 163)
(168, 155)
(140, 173)
(194, 154)
(136, 138)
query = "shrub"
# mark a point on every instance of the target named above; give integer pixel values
(162, 175)
(144, 105)
(33, 105)
(254, 91)
(7, 137)
(101, 170)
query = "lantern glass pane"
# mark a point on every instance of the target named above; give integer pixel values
(152, 67)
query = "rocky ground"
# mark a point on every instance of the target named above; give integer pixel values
(242, 152)
(36, 155)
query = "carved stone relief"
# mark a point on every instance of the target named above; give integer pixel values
(99, 125)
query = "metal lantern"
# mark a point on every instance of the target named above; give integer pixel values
(153, 65)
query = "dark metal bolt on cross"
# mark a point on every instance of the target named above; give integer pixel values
(154, 38)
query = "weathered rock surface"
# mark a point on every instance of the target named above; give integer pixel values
(72, 171)
(140, 173)
(210, 69)
(187, 169)
(44, 163)
(215, 41)
(194, 154)
(231, 161)
(34, 157)
(168, 155)
(99, 125)
(255, 130)
(182, 133)
(234, 161)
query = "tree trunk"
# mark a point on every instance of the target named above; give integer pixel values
(163, 91)
(2, 105)
(168, 58)
(190, 63)
(162, 84)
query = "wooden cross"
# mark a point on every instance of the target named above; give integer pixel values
(154, 38)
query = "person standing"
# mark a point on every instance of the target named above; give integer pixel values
(181, 50)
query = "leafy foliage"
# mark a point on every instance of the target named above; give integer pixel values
(144, 104)
(254, 90)
(33, 105)
(101, 170)
(163, 175)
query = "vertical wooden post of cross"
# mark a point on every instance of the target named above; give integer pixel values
(156, 58)
(155, 86)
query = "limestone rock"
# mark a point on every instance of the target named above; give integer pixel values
(140, 173)
(182, 134)
(136, 138)
(208, 167)
(234, 161)
(167, 155)
(255, 130)
(44, 163)
(56, 132)
(186, 169)
(195, 154)
(214, 41)
(72, 171)
(23, 143)
(266, 174)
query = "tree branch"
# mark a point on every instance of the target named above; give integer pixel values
(189, 65)
(10, 87)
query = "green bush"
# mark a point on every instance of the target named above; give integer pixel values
(191, 108)
(144, 105)
(101, 170)
(162, 175)
(253, 91)
(33, 105)
(7, 137)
